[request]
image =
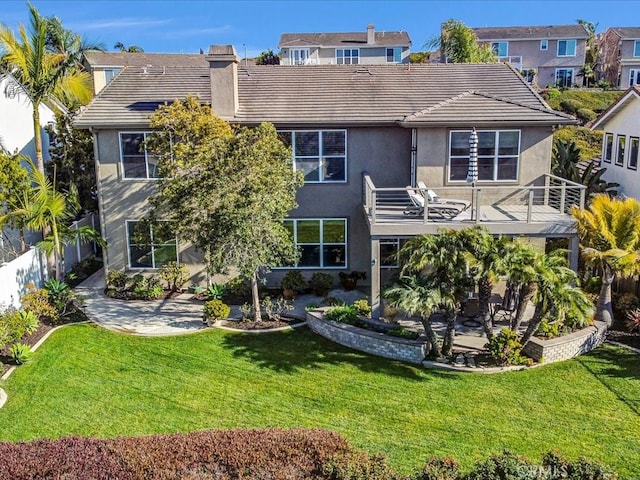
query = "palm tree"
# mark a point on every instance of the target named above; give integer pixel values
(43, 207)
(521, 263)
(610, 239)
(41, 71)
(557, 295)
(14, 184)
(459, 44)
(130, 49)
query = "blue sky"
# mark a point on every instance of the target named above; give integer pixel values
(186, 26)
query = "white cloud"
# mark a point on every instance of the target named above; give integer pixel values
(194, 32)
(120, 23)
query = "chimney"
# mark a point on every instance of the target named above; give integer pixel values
(371, 34)
(223, 74)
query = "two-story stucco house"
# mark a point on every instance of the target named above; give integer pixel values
(556, 52)
(395, 126)
(620, 56)
(621, 142)
(353, 48)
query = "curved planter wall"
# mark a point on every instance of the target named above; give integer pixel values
(567, 346)
(412, 351)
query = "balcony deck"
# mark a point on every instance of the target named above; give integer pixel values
(528, 210)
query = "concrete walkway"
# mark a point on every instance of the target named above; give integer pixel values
(181, 315)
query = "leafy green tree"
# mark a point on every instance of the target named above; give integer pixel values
(72, 162)
(268, 58)
(225, 191)
(14, 185)
(592, 53)
(419, 57)
(43, 71)
(130, 49)
(459, 44)
(610, 240)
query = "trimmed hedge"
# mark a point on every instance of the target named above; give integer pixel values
(232, 454)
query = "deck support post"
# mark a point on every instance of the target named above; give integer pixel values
(375, 279)
(574, 252)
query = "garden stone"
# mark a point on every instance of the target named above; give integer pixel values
(460, 359)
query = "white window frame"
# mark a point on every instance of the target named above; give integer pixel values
(321, 243)
(146, 157)
(631, 156)
(607, 148)
(152, 246)
(301, 52)
(544, 45)
(496, 156)
(495, 46)
(109, 73)
(636, 48)
(566, 42)
(395, 50)
(621, 150)
(393, 242)
(566, 69)
(634, 77)
(321, 156)
(351, 56)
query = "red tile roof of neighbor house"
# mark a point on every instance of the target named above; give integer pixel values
(626, 32)
(442, 94)
(531, 32)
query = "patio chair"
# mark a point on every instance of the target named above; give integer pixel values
(434, 198)
(436, 210)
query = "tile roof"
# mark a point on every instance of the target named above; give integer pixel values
(631, 94)
(335, 95)
(627, 32)
(356, 39)
(531, 32)
(141, 59)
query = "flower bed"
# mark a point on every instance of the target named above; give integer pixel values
(375, 343)
(567, 346)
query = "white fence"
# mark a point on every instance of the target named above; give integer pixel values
(30, 267)
(79, 250)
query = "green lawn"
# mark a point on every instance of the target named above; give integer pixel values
(87, 381)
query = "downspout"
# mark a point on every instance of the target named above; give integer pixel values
(96, 158)
(414, 156)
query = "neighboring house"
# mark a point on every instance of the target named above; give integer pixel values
(621, 142)
(104, 66)
(620, 56)
(395, 126)
(556, 52)
(368, 48)
(16, 120)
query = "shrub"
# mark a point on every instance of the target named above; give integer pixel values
(275, 309)
(570, 106)
(216, 310)
(196, 289)
(632, 320)
(293, 280)
(333, 301)
(586, 114)
(15, 324)
(321, 283)
(559, 468)
(343, 314)
(37, 302)
(237, 289)
(358, 466)
(117, 279)
(363, 307)
(402, 332)
(506, 347)
(548, 330)
(83, 269)
(60, 296)
(439, 469)
(625, 302)
(20, 352)
(175, 274)
(146, 288)
(504, 465)
(216, 291)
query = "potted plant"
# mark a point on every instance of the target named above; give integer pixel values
(321, 283)
(292, 283)
(349, 281)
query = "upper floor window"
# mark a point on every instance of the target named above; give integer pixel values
(347, 56)
(498, 155)
(622, 141)
(636, 48)
(150, 246)
(298, 56)
(136, 162)
(501, 49)
(544, 44)
(607, 147)
(634, 151)
(321, 155)
(566, 48)
(394, 55)
(322, 242)
(109, 73)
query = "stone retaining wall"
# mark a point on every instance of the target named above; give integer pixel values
(412, 351)
(567, 346)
